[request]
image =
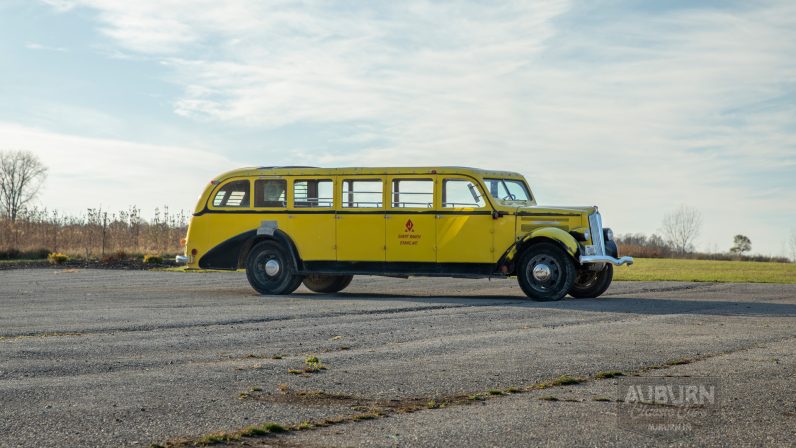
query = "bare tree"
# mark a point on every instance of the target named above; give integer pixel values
(741, 244)
(21, 176)
(681, 228)
(792, 245)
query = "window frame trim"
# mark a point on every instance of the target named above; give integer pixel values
(292, 194)
(366, 178)
(263, 178)
(486, 204)
(211, 199)
(422, 177)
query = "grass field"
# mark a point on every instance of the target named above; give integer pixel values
(653, 269)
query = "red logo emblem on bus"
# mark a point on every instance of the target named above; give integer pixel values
(410, 226)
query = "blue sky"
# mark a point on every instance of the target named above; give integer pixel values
(635, 106)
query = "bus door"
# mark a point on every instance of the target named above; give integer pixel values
(411, 227)
(464, 222)
(311, 221)
(360, 219)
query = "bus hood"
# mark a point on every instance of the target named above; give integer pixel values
(556, 210)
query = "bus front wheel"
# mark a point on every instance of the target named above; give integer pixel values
(546, 272)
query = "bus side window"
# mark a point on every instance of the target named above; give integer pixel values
(362, 193)
(461, 193)
(412, 193)
(233, 194)
(313, 193)
(270, 193)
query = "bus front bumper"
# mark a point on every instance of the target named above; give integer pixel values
(591, 259)
(182, 259)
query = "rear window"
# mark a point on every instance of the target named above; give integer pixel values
(270, 193)
(233, 194)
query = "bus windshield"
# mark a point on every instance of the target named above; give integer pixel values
(508, 189)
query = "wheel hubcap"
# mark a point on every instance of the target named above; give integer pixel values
(272, 267)
(541, 272)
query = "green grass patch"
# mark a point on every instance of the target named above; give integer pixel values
(254, 431)
(678, 362)
(312, 364)
(274, 428)
(217, 438)
(188, 270)
(304, 426)
(365, 416)
(563, 380)
(153, 259)
(38, 261)
(609, 374)
(657, 269)
(57, 258)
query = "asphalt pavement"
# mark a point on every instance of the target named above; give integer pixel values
(135, 358)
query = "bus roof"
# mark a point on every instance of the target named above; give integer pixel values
(311, 170)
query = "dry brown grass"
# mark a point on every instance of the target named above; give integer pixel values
(95, 234)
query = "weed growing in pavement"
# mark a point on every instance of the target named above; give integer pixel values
(609, 374)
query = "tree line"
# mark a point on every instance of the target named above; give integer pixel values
(679, 232)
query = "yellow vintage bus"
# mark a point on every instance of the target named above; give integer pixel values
(322, 226)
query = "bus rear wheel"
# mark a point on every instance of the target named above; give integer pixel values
(269, 269)
(327, 284)
(591, 284)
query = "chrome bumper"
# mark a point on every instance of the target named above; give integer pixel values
(182, 259)
(589, 259)
(597, 254)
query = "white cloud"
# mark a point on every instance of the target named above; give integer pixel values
(38, 46)
(88, 173)
(60, 5)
